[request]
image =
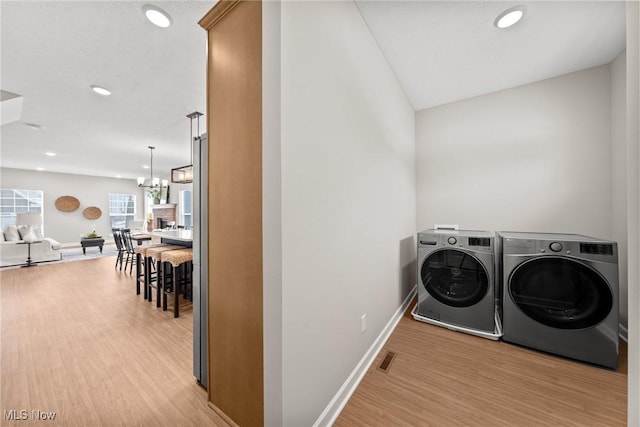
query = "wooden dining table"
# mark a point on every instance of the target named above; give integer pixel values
(141, 238)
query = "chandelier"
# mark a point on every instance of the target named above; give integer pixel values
(184, 174)
(153, 182)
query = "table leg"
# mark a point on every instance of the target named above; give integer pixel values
(84, 250)
(100, 248)
(29, 263)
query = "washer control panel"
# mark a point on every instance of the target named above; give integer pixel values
(477, 241)
(555, 246)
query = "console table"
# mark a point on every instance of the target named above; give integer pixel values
(88, 242)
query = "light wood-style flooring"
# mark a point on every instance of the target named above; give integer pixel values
(444, 378)
(78, 341)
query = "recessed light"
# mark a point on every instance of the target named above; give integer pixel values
(100, 90)
(118, 176)
(157, 16)
(34, 126)
(145, 167)
(509, 17)
(40, 169)
(50, 154)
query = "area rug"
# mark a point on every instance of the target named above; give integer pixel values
(75, 254)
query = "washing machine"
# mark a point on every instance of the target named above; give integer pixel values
(561, 295)
(456, 281)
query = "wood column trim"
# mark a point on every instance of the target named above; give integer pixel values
(222, 415)
(217, 13)
(234, 123)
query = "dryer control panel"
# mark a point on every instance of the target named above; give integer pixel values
(600, 251)
(596, 248)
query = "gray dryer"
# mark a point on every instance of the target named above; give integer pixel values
(561, 295)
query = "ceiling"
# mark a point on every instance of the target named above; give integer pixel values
(444, 51)
(52, 51)
(440, 51)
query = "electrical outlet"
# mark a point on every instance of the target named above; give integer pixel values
(363, 323)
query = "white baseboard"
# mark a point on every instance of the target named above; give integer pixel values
(331, 412)
(623, 333)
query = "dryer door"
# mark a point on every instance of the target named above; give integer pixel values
(454, 277)
(560, 292)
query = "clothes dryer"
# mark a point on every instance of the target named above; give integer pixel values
(456, 281)
(561, 295)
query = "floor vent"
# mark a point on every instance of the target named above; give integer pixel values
(386, 362)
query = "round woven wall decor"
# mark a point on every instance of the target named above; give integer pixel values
(92, 212)
(67, 203)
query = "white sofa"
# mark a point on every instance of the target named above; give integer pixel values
(14, 252)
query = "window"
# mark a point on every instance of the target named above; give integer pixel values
(18, 201)
(185, 203)
(122, 209)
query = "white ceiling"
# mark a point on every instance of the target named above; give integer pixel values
(52, 51)
(444, 51)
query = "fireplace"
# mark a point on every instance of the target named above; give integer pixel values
(163, 214)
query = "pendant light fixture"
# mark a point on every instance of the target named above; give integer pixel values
(153, 182)
(184, 174)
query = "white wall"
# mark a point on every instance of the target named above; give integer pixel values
(174, 191)
(531, 158)
(348, 200)
(174, 197)
(66, 227)
(619, 176)
(633, 206)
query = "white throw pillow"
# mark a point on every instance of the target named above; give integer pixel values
(29, 235)
(11, 233)
(24, 229)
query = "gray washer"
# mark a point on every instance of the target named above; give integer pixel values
(561, 295)
(456, 281)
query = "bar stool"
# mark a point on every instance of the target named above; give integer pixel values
(181, 259)
(153, 255)
(142, 265)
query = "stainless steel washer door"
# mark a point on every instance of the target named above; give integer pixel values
(560, 293)
(454, 278)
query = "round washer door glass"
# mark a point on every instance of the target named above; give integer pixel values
(561, 293)
(454, 278)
